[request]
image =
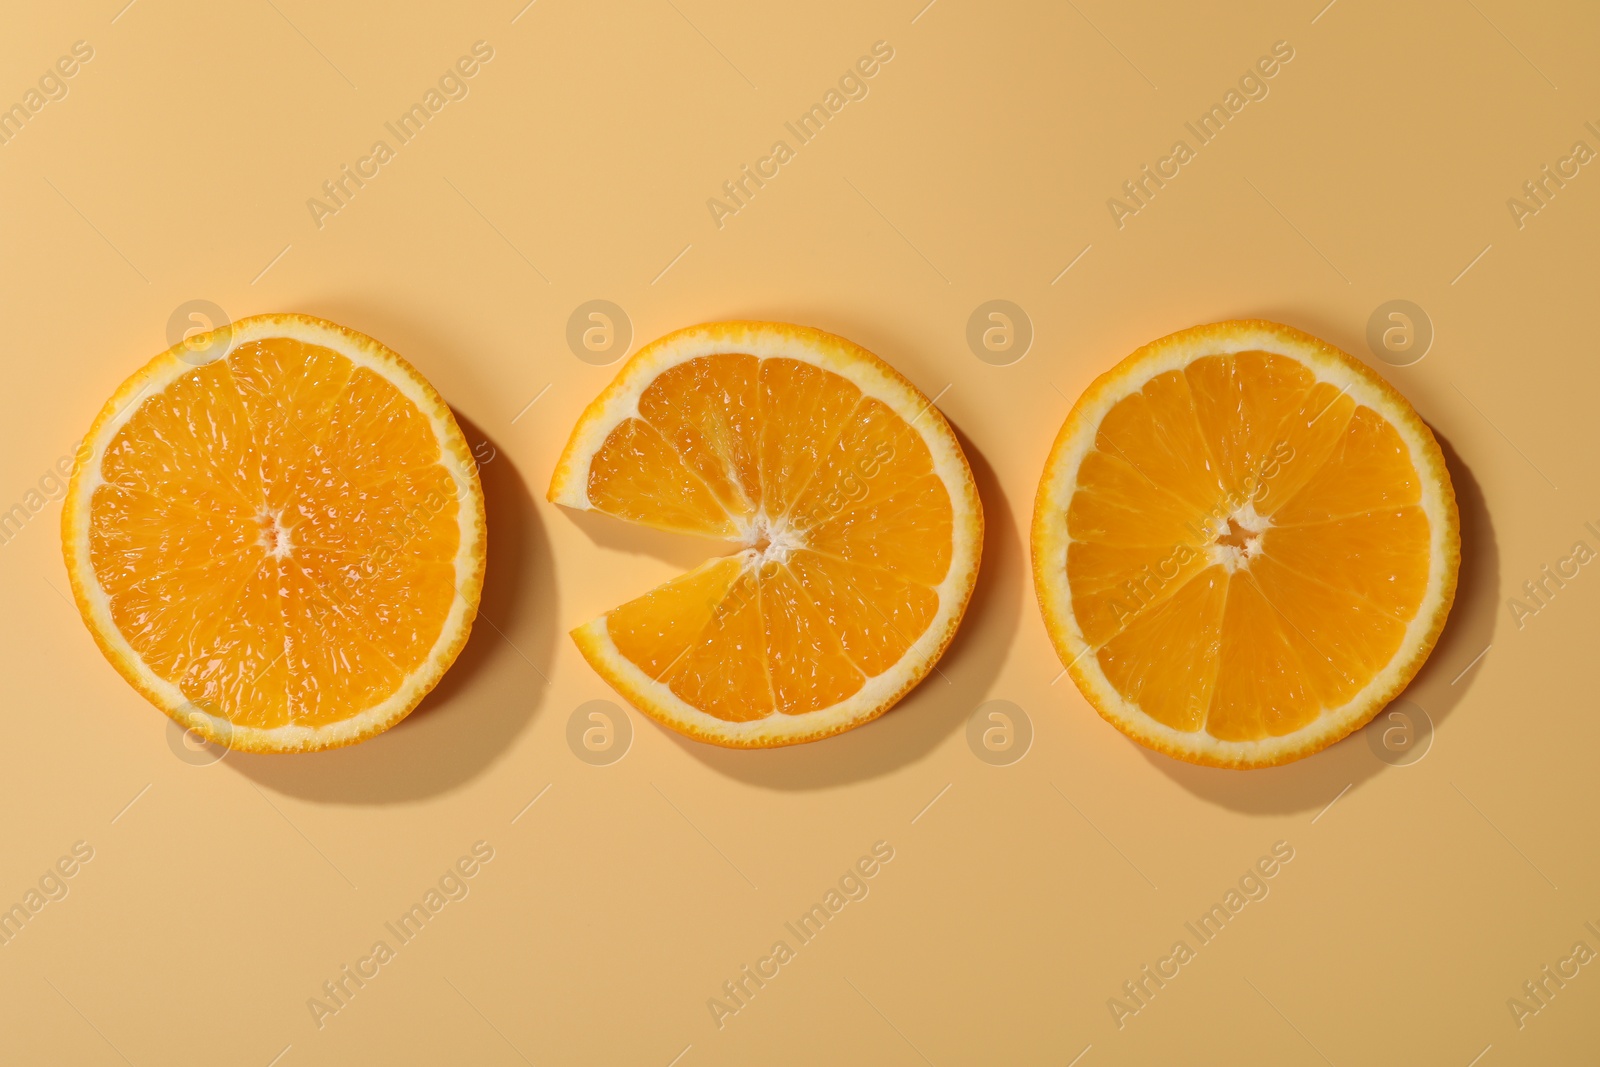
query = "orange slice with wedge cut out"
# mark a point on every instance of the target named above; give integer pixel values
(852, 517)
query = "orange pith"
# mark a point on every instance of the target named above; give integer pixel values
(1246, 552)
(274, 538)
(845, 522)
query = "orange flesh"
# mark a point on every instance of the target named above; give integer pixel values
(846, 532)
(276, 535)
(1247, 546)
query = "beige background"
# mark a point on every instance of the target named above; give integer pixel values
(220, 897)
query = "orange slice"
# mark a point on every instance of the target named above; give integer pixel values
(275, 533)
(855, 523)
(1245, 544)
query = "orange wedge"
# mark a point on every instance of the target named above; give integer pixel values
(1245, 544)
(275, 533)
(851, 514)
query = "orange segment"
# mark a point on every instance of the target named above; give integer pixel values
(287, 388)
(1253, 534)
(1345, 635)
(802, 410)
(1367, 554)
(207, 461)
(1111, 584)
(331, 656)
(1157, 431)
(637, 475)
(909, 533)
(1303, 445)
(723, 672)
(707, 409)
(231, 659)
(658, 628)
(806, 661)
(1262, 689)
(854, 513)
(1118, 505)
(1166, 658)
(875, 613)
(282, 548)
(875, 499)
(1370, 470)
(1241, 402)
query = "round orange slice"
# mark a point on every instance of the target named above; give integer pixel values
(854, 523)
(1245, 544)
(275, 533)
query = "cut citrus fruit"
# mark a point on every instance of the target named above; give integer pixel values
(1245, 544)
(854, 513)
(275, 533)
